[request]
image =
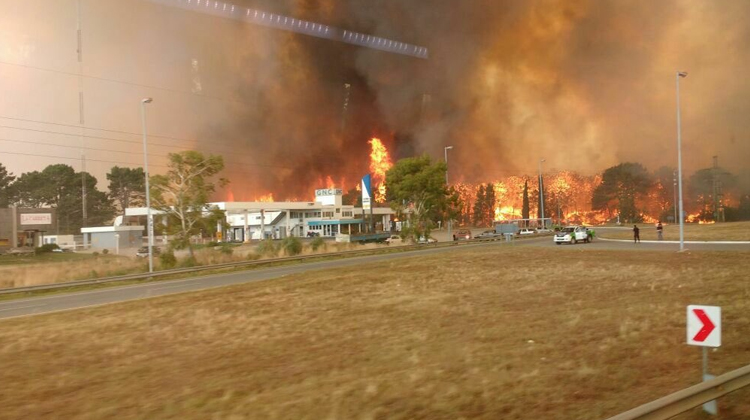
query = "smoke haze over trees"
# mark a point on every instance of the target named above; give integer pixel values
(585, 84)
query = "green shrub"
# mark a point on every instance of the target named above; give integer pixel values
(96, 254)
(292, 246)
(318, 243)
(105, 251)
(212, 244)
(167, 258)
(46, 248)
(189, 262)
(267, 248)
(226, 249)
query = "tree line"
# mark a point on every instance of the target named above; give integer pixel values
(182, 194)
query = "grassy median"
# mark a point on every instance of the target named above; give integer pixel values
(491, 333)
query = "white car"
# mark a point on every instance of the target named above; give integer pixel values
(571, 235)
(394, 240)
(527, 231)
(423, 240)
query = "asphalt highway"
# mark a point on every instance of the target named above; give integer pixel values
(63, 302)
(77, 300)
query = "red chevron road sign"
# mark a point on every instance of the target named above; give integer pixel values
(704, 325)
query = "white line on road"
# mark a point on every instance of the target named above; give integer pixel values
(21, 307)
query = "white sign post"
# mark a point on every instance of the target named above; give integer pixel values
(704, 329)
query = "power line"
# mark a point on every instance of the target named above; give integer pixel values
(318, 156)
(123, 82)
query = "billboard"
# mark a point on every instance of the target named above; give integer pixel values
(366, 192)
(36, 218)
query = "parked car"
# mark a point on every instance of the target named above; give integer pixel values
(394, 240)
(426, 240)
(312, 234)
(571, 235)
(487, 234)
(462, 235)
(143, 251)
(526, 231)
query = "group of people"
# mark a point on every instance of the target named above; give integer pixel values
(637, 232)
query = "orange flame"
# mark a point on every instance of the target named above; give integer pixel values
(230, 195)
(380, 163)
(268, 198)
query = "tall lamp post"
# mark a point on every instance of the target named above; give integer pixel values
(450, 224)
(149, 221)
(541, 192)
(679, 160)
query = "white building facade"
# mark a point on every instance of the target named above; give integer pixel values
(327, 216)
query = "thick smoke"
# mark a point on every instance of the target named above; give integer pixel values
(584, 85)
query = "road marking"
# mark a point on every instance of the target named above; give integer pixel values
(21, 307)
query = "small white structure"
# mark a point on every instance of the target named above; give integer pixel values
(62, 241)
(113, 237)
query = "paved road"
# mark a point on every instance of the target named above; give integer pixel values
(618, 245)
(42, 305)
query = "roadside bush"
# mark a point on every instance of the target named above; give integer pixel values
(189, 262)
(292, 246)
(95, 253)
(212, 244)
(253, 256)
(167, 259)
(267, 248)
(105, 251)
(46, 248)
(318, 243)
(226, 249)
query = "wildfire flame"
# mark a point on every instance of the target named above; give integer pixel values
(268, 198)
(380, 163)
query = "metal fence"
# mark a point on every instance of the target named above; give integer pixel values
(689, 398)
(240, 264)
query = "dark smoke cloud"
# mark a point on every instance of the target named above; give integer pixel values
(584, 84)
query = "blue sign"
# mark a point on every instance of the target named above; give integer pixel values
(366, 192)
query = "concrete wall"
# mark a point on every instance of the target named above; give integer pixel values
(108, 240)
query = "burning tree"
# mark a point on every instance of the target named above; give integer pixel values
(622, 186)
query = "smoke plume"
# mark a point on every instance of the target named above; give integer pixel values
(584, 85)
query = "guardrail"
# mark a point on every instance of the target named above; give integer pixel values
(688, 398)
(238, 264)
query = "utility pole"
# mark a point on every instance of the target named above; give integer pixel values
(541, 193)
(450, 224)
(718, 196)
(345, 110)
(83, 189)
(674, 203)
(678, 75)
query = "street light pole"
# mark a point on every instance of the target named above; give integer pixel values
(149, 221)
(541, 192)
(450, 224)
(679, 160)
(674, 202)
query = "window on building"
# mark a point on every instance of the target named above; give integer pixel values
(328, 214)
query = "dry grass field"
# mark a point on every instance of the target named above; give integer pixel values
(58, 268)
(735, 231)
(474, 334)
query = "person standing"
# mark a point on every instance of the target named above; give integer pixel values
(660, 230)
(636, 234)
